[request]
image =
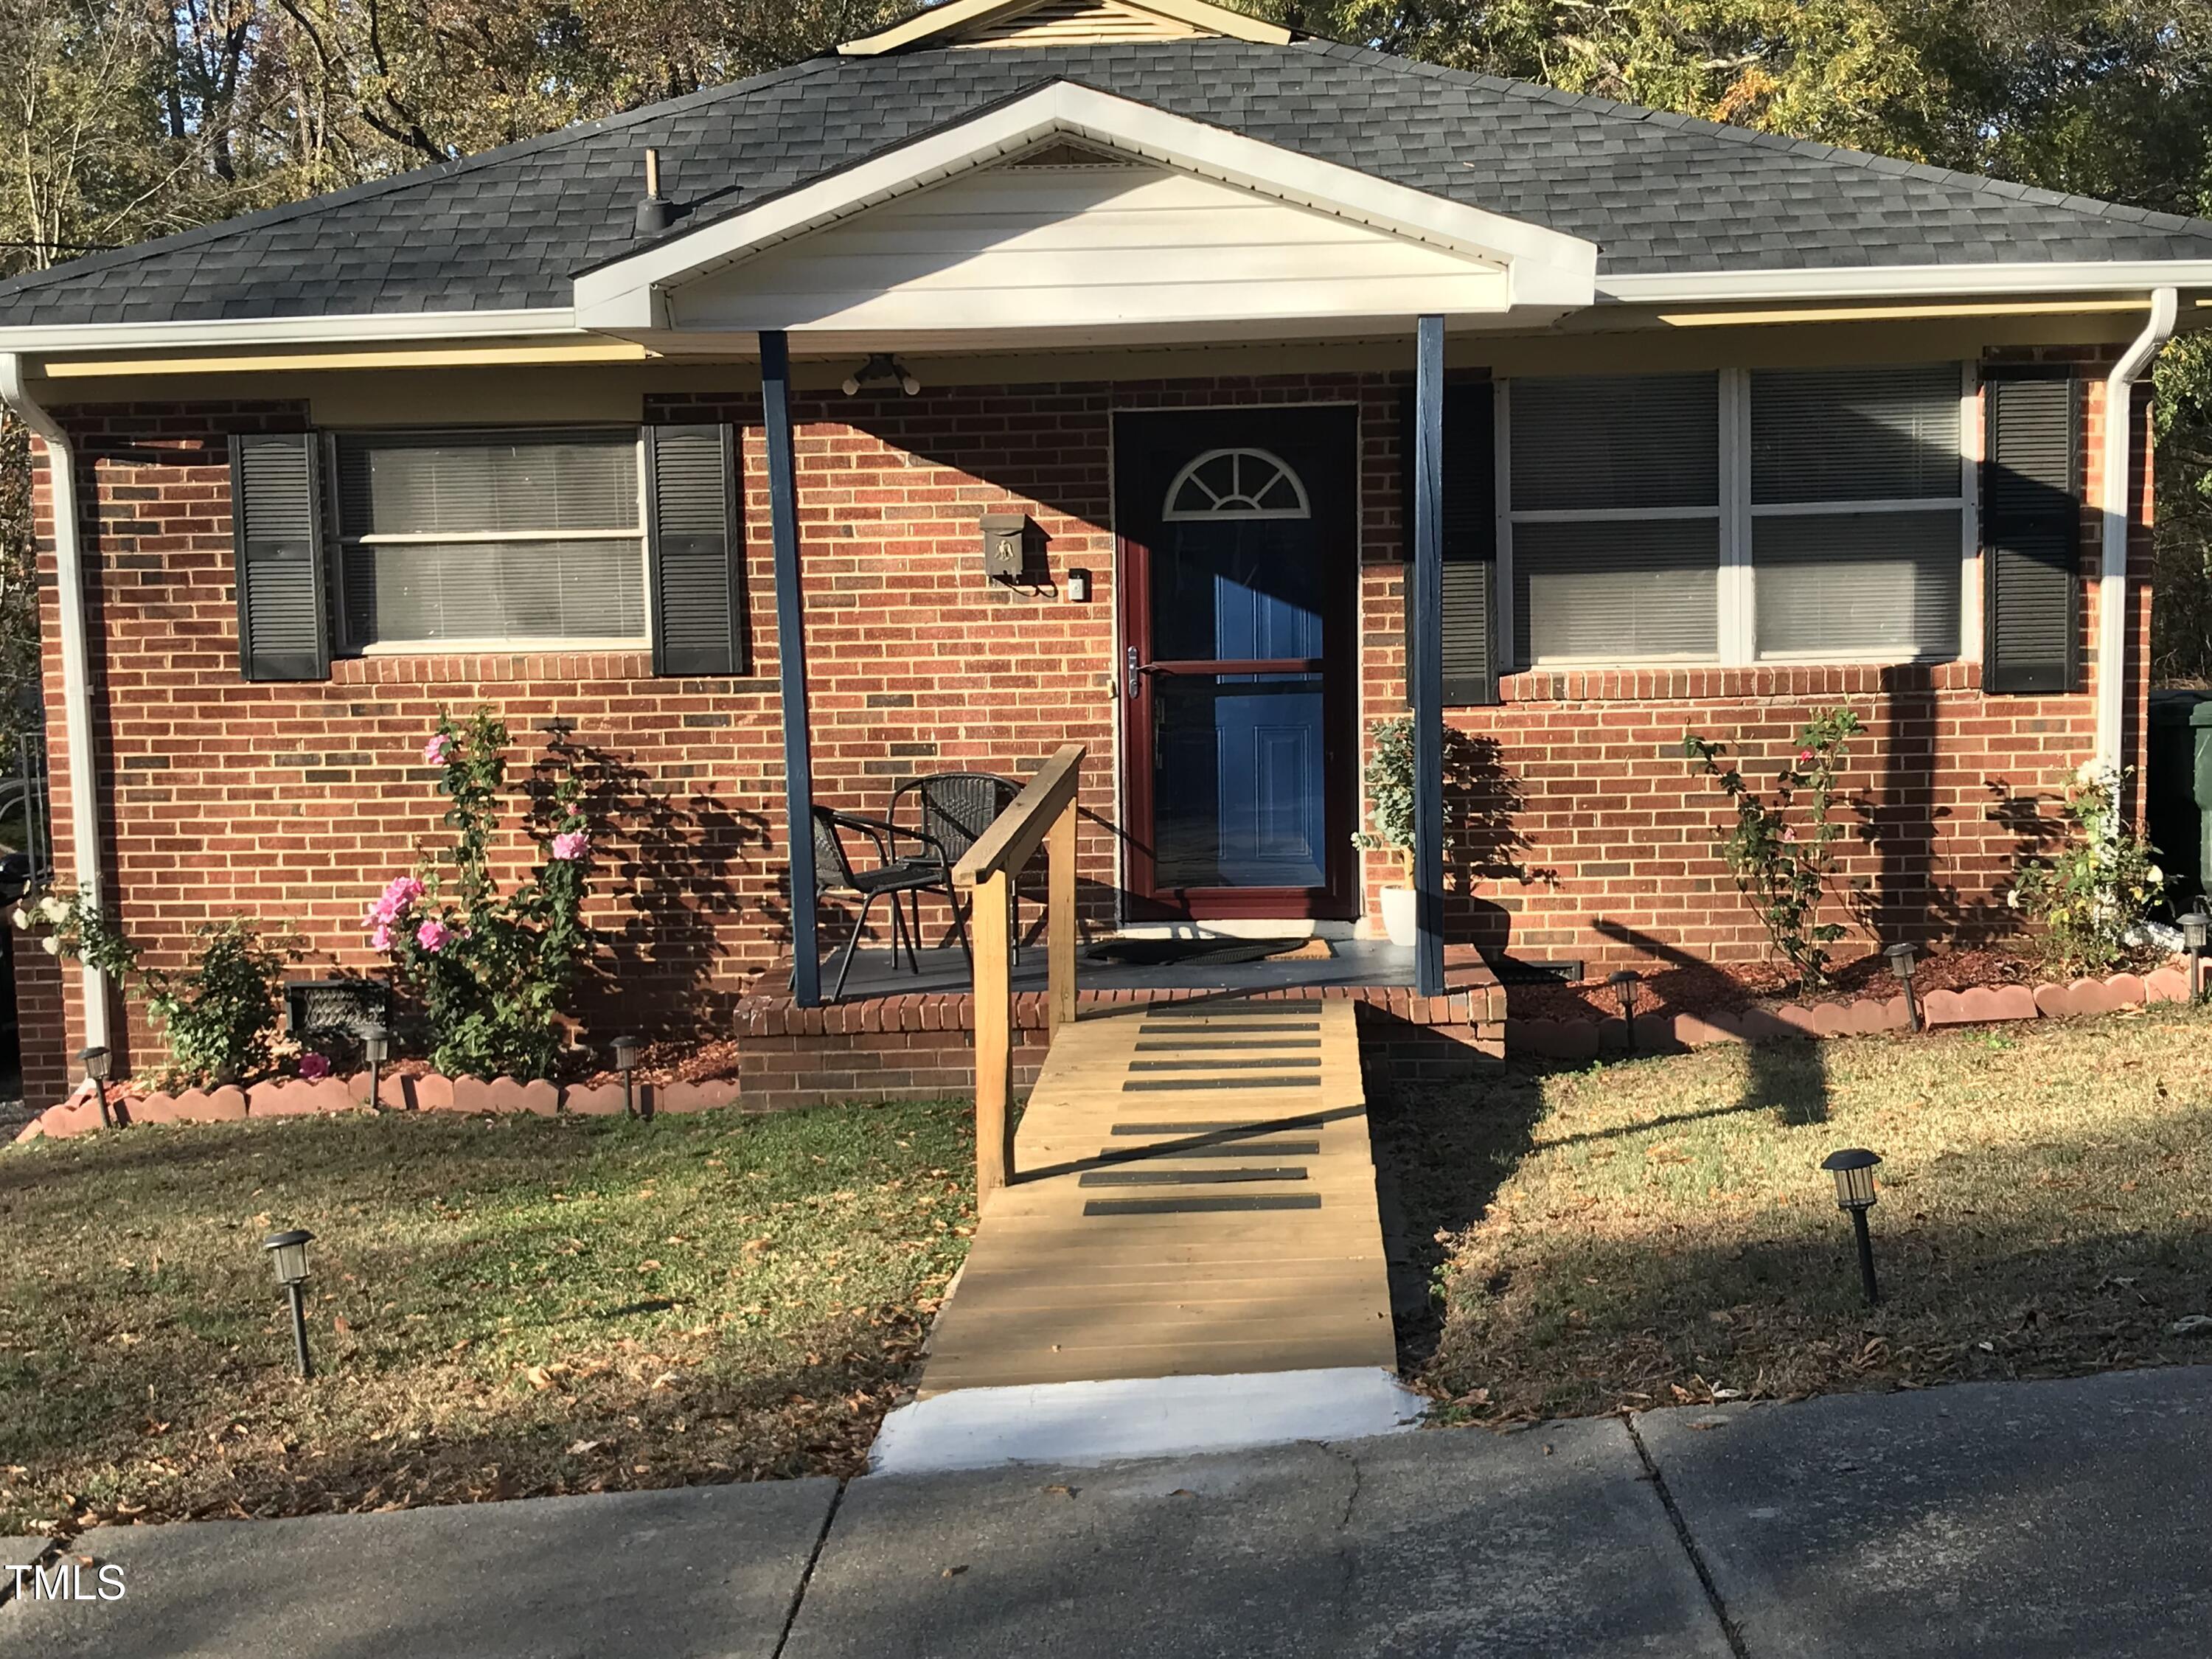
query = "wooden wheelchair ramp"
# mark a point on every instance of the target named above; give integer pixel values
(1193, 1194)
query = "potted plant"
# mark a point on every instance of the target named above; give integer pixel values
(1389, 783)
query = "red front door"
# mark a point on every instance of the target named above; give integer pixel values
(1239, 592)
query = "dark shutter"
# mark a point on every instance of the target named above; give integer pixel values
(1470, 636)
(696, 548)
(284, 619)
(2032, 535)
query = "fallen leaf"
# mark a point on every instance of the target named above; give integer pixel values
(954, 1572)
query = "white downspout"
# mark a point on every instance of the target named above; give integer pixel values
(2112, 581)
(76, 666)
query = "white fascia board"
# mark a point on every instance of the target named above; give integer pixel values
(1902, 282)
(1569, 264)
(362, 328)
(952, 16)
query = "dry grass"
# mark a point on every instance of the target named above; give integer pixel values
(500, 1307)
(1659, 1231)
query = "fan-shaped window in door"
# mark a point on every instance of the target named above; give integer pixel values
(1241, 484)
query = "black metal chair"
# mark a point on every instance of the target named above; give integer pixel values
(834, 872)
(950, 811)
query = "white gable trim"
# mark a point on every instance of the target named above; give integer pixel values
(1904, 282)
(953, 17)
(1546, 269)
(338, 327)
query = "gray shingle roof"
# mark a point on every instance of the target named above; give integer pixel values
(1656, 192)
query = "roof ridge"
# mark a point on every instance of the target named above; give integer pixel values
(1811, 150)
(435, 173)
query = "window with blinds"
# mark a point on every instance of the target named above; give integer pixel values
(1857, 512)
(1615, 518)
(484, 537)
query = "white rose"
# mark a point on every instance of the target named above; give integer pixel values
(52, 908)
(2155, 876)
(2012, 899)
(50, 945)
(22, 919)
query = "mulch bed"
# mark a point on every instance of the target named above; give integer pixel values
(1707, 988)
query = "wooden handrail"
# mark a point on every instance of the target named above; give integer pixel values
(1043, 814)
(1015, 834)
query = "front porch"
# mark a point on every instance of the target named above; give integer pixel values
(898, 1034)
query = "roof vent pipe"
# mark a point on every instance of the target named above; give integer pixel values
(656, 212)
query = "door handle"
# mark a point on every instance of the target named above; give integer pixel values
(1136, 674)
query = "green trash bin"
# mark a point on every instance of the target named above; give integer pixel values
(2177, 790)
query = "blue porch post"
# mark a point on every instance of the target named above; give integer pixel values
(791, 666)
(1424, 690)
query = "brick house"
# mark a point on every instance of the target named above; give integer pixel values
(1720, 430)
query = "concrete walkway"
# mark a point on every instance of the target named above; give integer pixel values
(2011, 1521)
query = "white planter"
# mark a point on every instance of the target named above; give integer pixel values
(1398, 914)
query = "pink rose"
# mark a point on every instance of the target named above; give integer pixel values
(380, 937)
(433, 934)
(399, 895)
(571, 844)
(435, 751)
(314, 1067)
(1804, 755)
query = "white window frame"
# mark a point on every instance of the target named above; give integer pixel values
(343, 545)
(1735, 587)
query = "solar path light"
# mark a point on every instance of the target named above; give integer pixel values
(98, 1064)
(375, 1048)
(1853, 1168)
(1624, 985)
(288, 1253)
(2196, 938)
(626, 1063)
(1901, 959)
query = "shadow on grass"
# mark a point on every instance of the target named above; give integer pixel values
(498, 1307)
(2025, 1227)
(1447, 1153)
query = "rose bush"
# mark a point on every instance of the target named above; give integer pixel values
(1782, 853)
(218, 1016)
(490, 969)
(2094, 895)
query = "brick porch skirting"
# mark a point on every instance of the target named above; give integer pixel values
(921, 1046)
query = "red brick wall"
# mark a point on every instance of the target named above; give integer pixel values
(295, 802)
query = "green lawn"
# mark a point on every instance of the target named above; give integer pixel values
(1659, 1231)
(501, 1306)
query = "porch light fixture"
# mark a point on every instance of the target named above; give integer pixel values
(1624, 985)
(881, 366)
(626, 1063)
(1853, 1169)
(2196, 938)
(1901, 961)
(98, 1064)
(288, 1254)
(375, 1048)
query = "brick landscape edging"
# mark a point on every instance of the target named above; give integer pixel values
(428, 1092)
(1552, 1039)
(1585, 1039)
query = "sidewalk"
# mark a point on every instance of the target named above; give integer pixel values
(2014, 1520)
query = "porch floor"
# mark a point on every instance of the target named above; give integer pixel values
(879, 972)
(1193, 1195)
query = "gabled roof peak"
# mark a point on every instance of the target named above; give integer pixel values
(983, 24)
